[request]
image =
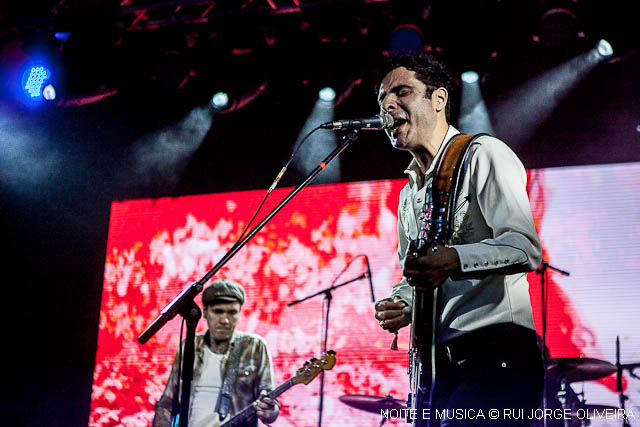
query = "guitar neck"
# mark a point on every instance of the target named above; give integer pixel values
(250, 411)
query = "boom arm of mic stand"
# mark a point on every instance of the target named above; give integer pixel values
(329, 289)
(170, 311)
(544, 265)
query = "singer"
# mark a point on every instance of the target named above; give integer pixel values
(486, 355)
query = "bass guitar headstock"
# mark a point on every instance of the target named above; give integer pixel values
(313, 367)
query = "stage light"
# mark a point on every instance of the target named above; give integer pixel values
(228, 102)
(62, 36)
(559, 31)
(405, 38)
(470, 77)
(474, 117)
(604, 48)
(220, 100)
(49, 92)
(534, 101)
(319, 144)
(159, 158)
(327, 94)
(33, 80)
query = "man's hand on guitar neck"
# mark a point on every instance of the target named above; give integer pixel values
(430, 270)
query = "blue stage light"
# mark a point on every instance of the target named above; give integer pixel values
(327, 94)
(469, 77)
(405, 38)
(33, 81)
(62, 36)
(220, 100)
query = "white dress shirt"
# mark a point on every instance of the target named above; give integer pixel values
(494, 236)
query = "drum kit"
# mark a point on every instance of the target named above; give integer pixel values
(376, 404)
(560, 373)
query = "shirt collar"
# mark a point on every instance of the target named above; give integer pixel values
(413, 170)
(235, 337)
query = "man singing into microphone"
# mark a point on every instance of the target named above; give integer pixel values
(486, 353)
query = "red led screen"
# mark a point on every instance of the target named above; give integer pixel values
(158, 247)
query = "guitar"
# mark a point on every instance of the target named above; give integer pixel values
(304, 375)
(436, 227)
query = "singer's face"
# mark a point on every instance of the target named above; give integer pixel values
(402, 95)
(222, 319)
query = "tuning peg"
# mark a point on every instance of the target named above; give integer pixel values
(331, 352)
(314, 359)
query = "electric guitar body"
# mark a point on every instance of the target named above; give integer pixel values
(435, 227)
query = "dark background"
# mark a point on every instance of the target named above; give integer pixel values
(55, 219)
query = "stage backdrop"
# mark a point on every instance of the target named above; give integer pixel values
(588, 219)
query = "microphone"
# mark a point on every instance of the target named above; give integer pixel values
(379, 122)
(366, 258)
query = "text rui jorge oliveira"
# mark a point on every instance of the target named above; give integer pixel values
(509, 414)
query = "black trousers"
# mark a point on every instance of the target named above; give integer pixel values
(492, 376)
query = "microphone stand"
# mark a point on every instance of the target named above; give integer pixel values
(542, 271)
(327, 295)
(621, 396)
(183, 304)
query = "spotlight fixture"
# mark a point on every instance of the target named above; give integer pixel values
(220, 100)
(474, 116)
(227, 102)
(604, 48)
(327, 94)
(34, 80)
(559, 30)
(469, 77)
(405, 38)
(49, 92)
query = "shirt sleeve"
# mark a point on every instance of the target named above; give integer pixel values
(402, 290)
(164, 406)
(499, 182)
(265, 372)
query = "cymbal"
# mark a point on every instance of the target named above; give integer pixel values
(590, 410)
(372, 403)
(573, 369)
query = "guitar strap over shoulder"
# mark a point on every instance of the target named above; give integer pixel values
(223, 405)
(446, 186)
(449, 176)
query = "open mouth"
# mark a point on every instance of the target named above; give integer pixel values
(397, 123)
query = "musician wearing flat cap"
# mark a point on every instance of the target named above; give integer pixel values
(480, 319)
(232, 369)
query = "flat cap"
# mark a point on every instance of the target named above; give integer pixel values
(224, 290)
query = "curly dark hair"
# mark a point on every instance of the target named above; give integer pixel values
(430, 70)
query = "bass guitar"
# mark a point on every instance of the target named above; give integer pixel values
(304, 375)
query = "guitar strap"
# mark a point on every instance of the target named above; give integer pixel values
(446, 187)
(223, 405)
